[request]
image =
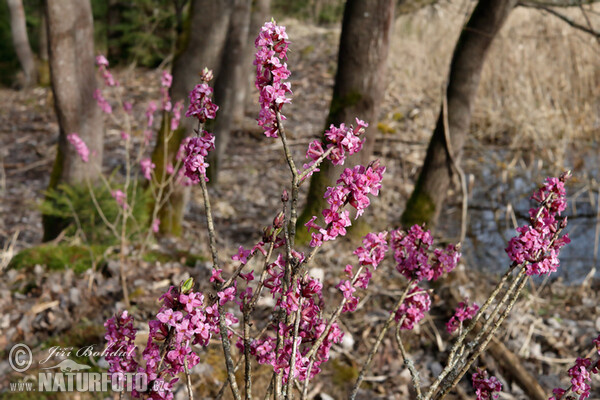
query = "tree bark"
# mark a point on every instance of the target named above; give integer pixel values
(21, 42)
(358, 90)
(200, 45)
(230, 79)
(470, 52)
(71, 53)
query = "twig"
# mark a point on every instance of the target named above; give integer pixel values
(386, 326)
(416, 381)
(459, 171)
(563, 17)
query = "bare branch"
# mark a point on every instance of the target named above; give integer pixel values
(540, 6)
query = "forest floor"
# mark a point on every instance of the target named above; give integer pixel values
(507, 156)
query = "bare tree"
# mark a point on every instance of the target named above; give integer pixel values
(71, 53)
(443, 157)
(359, 85)
(21, 42)
(200, 45)
(230, 79)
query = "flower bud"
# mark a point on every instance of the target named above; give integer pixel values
(278, 220)
(187, 286)
(268, 232)
(284, 196)
(207, 75)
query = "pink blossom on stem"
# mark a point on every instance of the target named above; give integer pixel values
(580, 376)
(102, 102)
(201, 105)
(150, 110)
(176, 115)
(485, 387)
(80, 146)
(272, 45)
(538, 244)
(411, 252)
(120, 197)
(102, 64)
(155, 225)
(461, 313)
(413, 309)
(147, 167)
(197, 149)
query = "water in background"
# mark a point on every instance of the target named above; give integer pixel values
(500, 195)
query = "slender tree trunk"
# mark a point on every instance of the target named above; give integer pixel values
(21, 42)
(200, 45)
(71, 53)
(431, 188)
(258, 16)
(44, 68)
(229, 81)
(358, 90)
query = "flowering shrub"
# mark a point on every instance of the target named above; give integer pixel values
(299, 337)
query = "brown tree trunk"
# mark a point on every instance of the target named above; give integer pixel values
(231, 78)
(21, 42)
(71, 53)
(469, 55)
(358, 90)
(200, 45)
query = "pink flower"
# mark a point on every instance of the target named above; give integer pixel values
(169, 317)
(155, 225)
(537, 246)
(271, 45)
(120, 197)
(216, 275)
(147, 167)
(413, 309)
(150, 113)
(241, 256)
(461, 313)
(176, 115)
(485, 388)
(580, 376)
(166, 79)
(80, 146)
(197, 149)
(201, 105)
(102, 102)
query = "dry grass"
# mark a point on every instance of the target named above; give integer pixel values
(540, 84)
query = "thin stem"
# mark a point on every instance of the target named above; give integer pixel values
(289, 391)
(416, 381)
(386, 326)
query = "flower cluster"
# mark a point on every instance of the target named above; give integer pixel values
(102, 102)
(485, 387)
(538, 243)
(201, 105)
(147, 167)
(342, 141)
(413, 308)
(121, 348)
(196, 150)
(411, 253)
(461, 313)
(183, 320)
(304, 295)
(165, 83)
(102, 64)
(272, 45)
(580, 376)
(120, 198)
(370, 254)
(80, 146)
(352, 188)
